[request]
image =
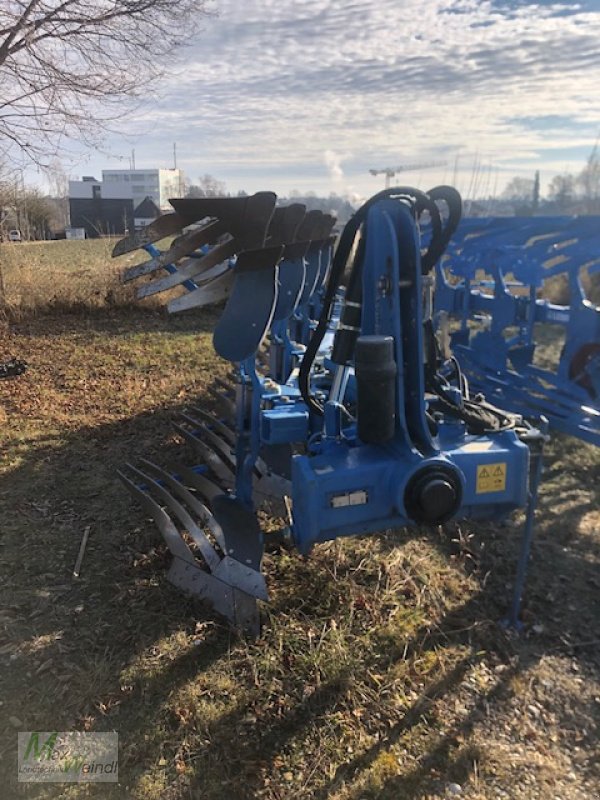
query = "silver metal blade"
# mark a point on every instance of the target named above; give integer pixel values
(169, 532)
(186, 244)
(208, 455)
(245, 218)
(145, 268)
(242, 532)
(205, 487)
(200, 539)
(197, 269)
(272, 487)
(242, 577)
(227, 386)
(213, 292)
(223, 439)
(177, 278)
(201, 510)
(200, 415)
(236, 606)
(227, 569)
(166, 225)
(222, 448)
(185, 572)
(227, 405)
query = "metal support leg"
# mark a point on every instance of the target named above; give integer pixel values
(537, 456)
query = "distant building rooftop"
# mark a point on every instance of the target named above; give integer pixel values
(147, 209)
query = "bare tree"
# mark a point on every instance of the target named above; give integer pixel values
(520, 192)
(207, 186)
(66, 63)
(35, 214)
(519, 189)
(11, 188)
(589, 180)
(58, 182)
(561, 191)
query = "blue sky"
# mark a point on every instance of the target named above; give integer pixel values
(311, 94)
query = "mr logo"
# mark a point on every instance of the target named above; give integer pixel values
(46, 751)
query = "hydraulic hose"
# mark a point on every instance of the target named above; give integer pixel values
(420, 202)
(453, 201)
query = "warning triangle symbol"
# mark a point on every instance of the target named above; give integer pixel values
(498, 472)
(484, 473)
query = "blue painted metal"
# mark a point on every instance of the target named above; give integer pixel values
(292, 278)
(512, 620)
(345, 486)
(170, 268)
(496, 341)
(340, 485)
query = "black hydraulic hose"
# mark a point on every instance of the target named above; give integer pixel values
(480, 417)
(429, 257)
(340, 260)
(351, 316)
(453, 201)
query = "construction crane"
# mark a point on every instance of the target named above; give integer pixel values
(390, 172)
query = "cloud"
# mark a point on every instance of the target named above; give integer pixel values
(276, 89)
(333, 162)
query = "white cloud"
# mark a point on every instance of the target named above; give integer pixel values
(274, 90)
(333, 162)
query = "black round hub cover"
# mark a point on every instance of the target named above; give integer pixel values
(433, 495)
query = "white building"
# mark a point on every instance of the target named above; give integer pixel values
(100, 208)
(159, 184)
(90, 188)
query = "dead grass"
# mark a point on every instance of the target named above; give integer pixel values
(80, 276)
(381, 671)
(62, 276)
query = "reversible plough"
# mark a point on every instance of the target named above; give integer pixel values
(490, 286)
(341, 412)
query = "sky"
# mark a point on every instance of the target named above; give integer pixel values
(310, 95)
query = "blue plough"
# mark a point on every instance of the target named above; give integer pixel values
(341, 410)
(492, 281)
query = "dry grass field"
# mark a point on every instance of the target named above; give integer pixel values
(381, 672)
(38, 277)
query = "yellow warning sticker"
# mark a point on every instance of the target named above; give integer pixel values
(491, 478)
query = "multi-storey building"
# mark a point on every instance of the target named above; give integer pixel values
(102, 209)
(159, 184)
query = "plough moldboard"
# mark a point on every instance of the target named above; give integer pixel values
(340, 408)
(493, 281)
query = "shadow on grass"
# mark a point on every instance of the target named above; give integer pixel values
(75, 640)
(117, 321)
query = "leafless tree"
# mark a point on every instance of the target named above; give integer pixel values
(10, 190)
(64, 63)
(207, 186)
(519, 189)
(58, 182)
(589, 181)
(561, 191)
